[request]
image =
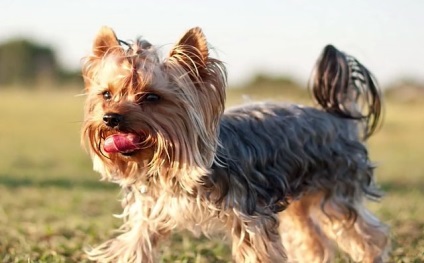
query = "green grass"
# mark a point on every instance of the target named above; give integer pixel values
(52, 205)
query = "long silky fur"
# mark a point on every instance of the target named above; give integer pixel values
(236, 171)
(343, 86)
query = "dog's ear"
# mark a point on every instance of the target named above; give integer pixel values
(104, 41)
(191, 51)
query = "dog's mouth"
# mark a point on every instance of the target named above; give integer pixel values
(124, 143)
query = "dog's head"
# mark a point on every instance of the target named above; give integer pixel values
(144, 115)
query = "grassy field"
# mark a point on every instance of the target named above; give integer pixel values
(52, 205)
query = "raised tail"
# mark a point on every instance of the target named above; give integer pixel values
(343, 86)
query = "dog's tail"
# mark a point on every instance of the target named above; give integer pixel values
(343, 86)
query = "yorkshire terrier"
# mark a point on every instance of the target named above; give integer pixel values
(286, 182)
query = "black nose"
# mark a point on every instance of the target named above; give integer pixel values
(112, 119)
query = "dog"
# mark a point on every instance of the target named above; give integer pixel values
(286, 182)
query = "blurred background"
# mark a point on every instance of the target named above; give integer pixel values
(52, 205)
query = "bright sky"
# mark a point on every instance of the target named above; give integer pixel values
(277, 36)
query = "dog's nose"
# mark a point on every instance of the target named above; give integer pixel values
(112, 119)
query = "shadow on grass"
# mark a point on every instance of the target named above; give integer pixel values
(65, 183)
(15, 182)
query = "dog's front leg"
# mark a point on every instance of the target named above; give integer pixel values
(256, 238)
(136, 245)
(142, 231)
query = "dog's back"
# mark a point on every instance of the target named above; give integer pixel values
(279, 151)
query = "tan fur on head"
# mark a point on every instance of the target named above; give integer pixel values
(180, 130)
(105, 39)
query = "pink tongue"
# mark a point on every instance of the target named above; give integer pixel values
(122, 143)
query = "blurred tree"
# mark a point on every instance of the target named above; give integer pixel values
(406, 90)
(27, 64)
(262, 79)
(264, 83)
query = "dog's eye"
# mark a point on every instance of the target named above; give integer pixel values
(106, 95)
(149, 97)
(152, 97)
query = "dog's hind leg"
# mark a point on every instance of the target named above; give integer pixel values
(256, 239)
(365, 240)
(302, 239)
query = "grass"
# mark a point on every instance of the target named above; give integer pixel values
(52, 205)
